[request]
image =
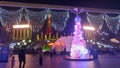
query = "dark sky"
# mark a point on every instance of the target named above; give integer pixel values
(105, 4)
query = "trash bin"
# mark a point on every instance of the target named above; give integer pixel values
(4, 53)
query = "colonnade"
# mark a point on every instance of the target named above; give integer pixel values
(22, 33)
(89, 34)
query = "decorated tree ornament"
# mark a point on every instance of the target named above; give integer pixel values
(78, 48)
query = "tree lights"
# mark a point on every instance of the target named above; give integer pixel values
(78, 48)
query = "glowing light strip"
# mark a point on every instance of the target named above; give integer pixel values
(88, 28)
(21, 26)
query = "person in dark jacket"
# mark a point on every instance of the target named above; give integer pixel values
(40, 56)
(51, 53)
(22, 57)
(95, 51)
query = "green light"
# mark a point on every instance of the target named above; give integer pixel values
(30, 41)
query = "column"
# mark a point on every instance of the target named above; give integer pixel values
(20, 34)
(24, 34)
(13, 34)
(88, 37)
(45, 37)
(16, 34)
(30, 33)
(93, 35)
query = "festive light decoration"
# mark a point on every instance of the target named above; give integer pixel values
(21, 26)
(49, 28)
(98, 21)
(62, 43)
(59, 20)
(78, 48)
(88, 28)
(59, 44)
(29, 41)
(18, 43)
(25, 43)
(51, 43)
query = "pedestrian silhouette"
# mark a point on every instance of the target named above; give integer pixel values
(51, 53)
(22, 57)
(95, 51)
(12, 62)
(40, 56)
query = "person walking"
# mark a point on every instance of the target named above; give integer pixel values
(51, 53)
(11, 52)
(40, 56)
(95, 51)
(22, 57)
(12, 62)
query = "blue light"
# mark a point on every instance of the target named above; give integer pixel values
(77, 19)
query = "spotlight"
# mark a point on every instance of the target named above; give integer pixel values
(25, 43)
(18, 43)
(23, 40)
(30, 41)
(89, 28)
(48, 40)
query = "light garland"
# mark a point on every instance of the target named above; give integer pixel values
(21, 26)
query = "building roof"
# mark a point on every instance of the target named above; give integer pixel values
(57, 7)
(106, 4)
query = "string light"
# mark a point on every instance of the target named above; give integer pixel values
(21, 26)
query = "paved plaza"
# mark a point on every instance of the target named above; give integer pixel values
(58, 61)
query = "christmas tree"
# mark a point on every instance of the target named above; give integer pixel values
(78, 48)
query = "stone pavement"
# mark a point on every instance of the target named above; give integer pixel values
(58, 61)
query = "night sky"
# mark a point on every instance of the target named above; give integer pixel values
(103, 4)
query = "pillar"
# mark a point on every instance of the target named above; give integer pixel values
(21, 34)
(16, 34)
(13, 34)
(28, 33)
(24, 34)
(45, 37)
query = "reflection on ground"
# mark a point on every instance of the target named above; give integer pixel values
(58, 61)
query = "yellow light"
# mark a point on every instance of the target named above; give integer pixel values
(23, 40)
(21, 26)
(58, 43)
(88, 28)
(50, 44)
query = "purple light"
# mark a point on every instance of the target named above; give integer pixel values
(77, 19)
(78, 49)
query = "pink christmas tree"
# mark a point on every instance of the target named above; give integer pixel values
(78, 48)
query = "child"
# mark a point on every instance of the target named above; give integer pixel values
(12, 62)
